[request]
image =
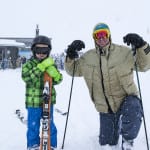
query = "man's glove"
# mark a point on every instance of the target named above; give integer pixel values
(45, 63)
(134, 39)
(73, 48)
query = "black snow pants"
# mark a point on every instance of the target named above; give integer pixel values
(126, 121)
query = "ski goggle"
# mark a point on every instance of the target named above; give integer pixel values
(102, 33)
(41, 50)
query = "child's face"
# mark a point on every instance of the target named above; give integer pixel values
(41, 53)
(41, 56)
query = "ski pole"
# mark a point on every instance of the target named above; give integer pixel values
(138, 82)
(69, 105)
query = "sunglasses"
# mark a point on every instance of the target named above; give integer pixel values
(101, 34)
(41, 50)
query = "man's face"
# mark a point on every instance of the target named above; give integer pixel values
(101, 37)
(102, 42)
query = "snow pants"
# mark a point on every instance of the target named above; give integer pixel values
(33, 127)
(126, 121)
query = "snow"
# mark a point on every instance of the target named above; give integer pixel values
(65, 21)
(83, 123)
(11, 43)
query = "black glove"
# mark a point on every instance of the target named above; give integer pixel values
(73, 48)
(134, 39)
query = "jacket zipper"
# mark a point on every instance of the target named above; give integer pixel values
(103, 88)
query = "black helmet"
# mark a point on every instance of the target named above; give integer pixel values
(41, 40)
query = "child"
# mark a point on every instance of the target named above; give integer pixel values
(33, 75)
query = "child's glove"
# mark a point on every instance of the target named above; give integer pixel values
(54, 73)
(45, 64)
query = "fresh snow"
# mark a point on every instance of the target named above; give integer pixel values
(65, 21)
(83, 123)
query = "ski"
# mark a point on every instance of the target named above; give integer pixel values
(45, 134)
(20, 116)
(61, 112)
(24, 120)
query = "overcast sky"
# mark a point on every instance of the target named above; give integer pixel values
(67, 20)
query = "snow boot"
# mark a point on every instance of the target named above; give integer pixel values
(110, 147)
(34, 147)
(53, 148)
(127, 144)
(105, 147)
(115, 147)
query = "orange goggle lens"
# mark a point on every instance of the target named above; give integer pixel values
(101, 34)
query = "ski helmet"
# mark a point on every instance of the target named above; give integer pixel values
(99, 27)
(41, 40)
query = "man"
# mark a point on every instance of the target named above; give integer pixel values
(33, 75)
(108, 73)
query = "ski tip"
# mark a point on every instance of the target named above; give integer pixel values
(64, 113)
(17, 111)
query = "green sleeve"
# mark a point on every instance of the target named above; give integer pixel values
(30, 72)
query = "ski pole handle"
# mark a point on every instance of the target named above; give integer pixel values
(133, 49)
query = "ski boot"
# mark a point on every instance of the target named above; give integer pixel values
(127, 144)
(34, 147)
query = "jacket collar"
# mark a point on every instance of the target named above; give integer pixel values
(104, 51)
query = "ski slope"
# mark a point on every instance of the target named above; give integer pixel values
(66, 21)
(83, 123)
